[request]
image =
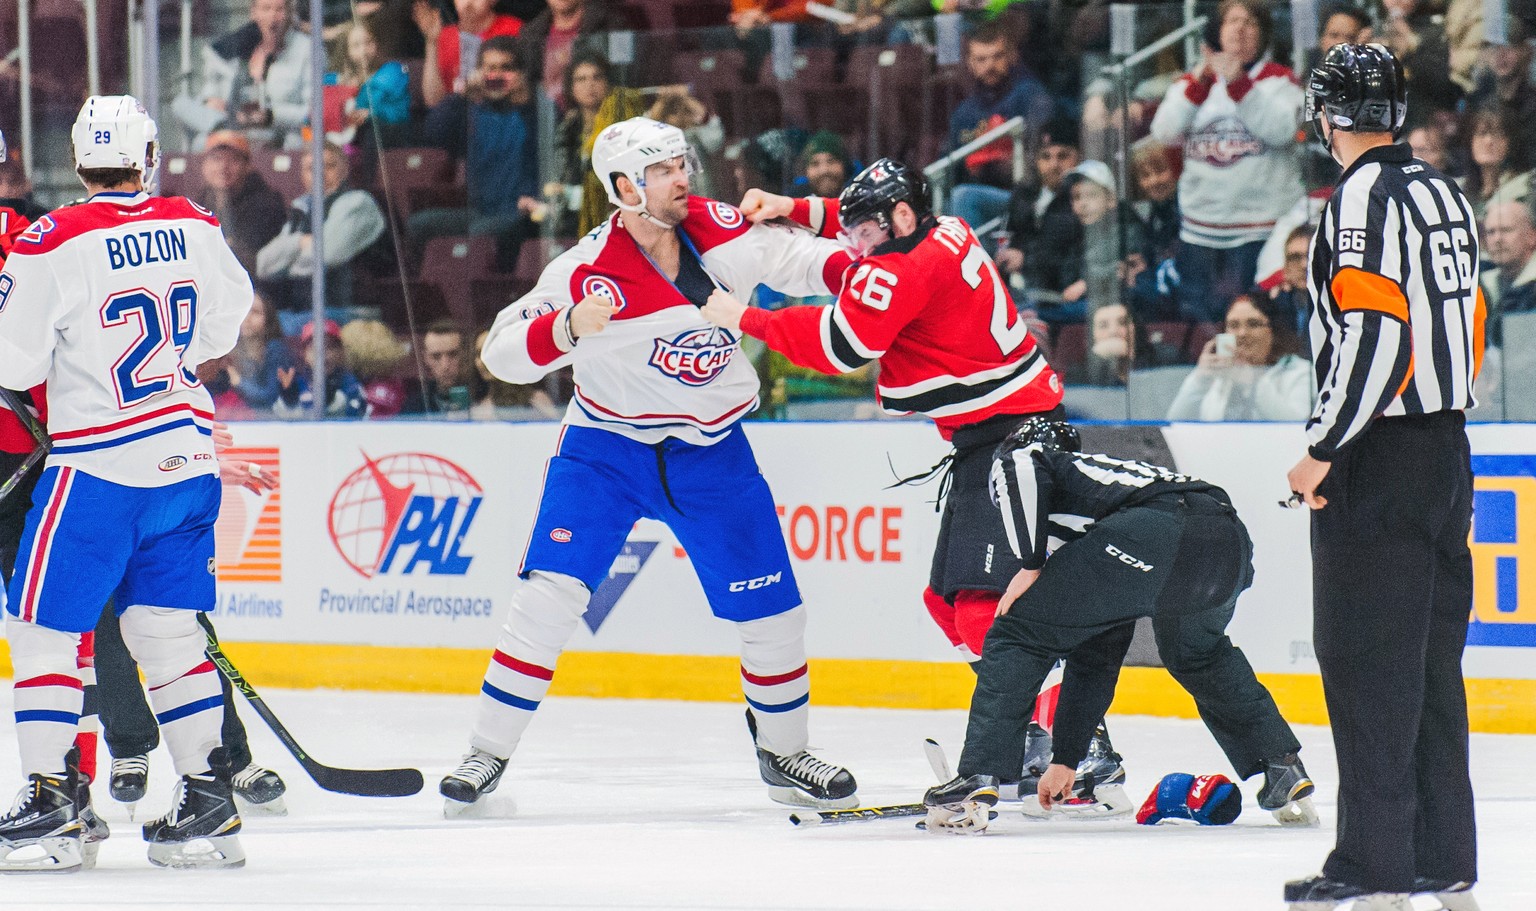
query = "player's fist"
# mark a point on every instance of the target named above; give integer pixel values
(724, 311)
(759, 206)
(591, 316)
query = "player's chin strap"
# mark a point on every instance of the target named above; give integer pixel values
(645, 213)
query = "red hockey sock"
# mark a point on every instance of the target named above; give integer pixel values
(943, 614)
(85, 739)
(974, 613)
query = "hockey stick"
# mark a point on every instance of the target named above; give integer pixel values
(360, 782)
(857, 814)
(23, 414)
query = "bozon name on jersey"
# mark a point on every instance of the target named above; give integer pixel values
(143, 248)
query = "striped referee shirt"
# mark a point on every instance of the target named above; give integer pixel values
(1397, 315)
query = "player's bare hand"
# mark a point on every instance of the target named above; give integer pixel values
(1056, 784)
(591, 316)
(246, 474)
(1306, 477)
(760, 206)
(724, 311)
(1017, 586)
(1210, 361)
(222, 437)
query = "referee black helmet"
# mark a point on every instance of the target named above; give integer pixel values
(878, 188)
(1359, 88)
(1056, 436)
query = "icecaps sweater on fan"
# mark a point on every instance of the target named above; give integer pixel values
(659, 369)
(1241, 170)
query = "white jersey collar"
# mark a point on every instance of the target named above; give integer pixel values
(118, 198)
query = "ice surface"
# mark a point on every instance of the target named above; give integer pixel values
(657, 805)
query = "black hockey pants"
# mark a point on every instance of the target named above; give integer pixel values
(1180, 559)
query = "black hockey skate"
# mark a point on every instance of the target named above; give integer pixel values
(1319, 893)
(1453, 896)
(94, 828)
(1097, 792)
(129, 780)
(478, 774)
(259, 791)
(961, 806)
(1287, 791)
(42, 833)
(802, 780)
(1037, 758)
(200, 830)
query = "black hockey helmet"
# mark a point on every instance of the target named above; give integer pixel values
(878, 188)
(1054, 435)
(1360, 89)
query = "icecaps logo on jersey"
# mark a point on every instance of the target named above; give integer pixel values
(604, 287)
(726, 216)
(696, 357)
(405, 510)
(1222, 143)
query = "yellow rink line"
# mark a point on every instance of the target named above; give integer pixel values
(1496, 706)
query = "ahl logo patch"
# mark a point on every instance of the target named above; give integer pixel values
(696, 357)
(725, 215)
(604, 287)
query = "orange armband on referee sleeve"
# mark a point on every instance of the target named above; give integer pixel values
(1356, 289)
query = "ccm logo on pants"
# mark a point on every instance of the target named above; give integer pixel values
(759, 582)
(1123, 557)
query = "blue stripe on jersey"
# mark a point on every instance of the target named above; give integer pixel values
(191, 708)
(502, 696)
(133, 437)
(47, 715)
(781, 707)
(708, 433)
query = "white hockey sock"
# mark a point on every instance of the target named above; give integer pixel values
(776, 681)
(47, 694)
(182, 684)
(544, 614)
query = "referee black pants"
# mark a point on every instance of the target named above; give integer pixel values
(1392, 591)
(1194, 559)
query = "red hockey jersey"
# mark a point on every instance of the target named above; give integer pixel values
(13, 436)
(934, 311)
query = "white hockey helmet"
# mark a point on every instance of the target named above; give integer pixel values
(114, 131)
(630, 147)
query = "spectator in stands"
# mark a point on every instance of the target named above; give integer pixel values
(451, 385)
(249, 212)
(1110, 231)
(1417, 37)
(452, 49)
(343, 394)
(1430, 143)
(1499, 166)
(353, 224)
(1290, 294)
(549, 43)
(255, 79)
(876, 18)
(382, 106)
(390, 23)
(1250, 372)
(1464, 36)
(498, 394)
(1509, 246)
(824, 166)
(244, 383)
(1041, 227)
(1114, 344)
(16, 189)
(588, 82)
(1235, 114)
(675, 106)
(490, 129)
(1003, 90)
(1343, 23)
(1155, 168)
(375, 355)
(1503, 81)
(750, 15)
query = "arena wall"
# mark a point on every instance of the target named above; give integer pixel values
(387, 558)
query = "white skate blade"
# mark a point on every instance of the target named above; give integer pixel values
(273, 807)
(51, 854)
(88, 852)
(487, 807)
(794, 797)
(1456, 901)
(221, 852)
(1381, 902)
(130, 807)
(1108, 801)
(969, 818)
(1298, 814)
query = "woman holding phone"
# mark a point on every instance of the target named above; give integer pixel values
(1252, 371)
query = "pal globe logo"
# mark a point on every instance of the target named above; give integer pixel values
(402, 511)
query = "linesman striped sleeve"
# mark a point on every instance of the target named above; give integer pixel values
(1021, 489)
(1397, 317)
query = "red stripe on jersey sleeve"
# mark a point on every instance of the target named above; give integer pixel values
(833, 270)
(794, 332)
(542, 349)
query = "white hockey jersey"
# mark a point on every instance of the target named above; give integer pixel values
(114, 303)
(659, 369)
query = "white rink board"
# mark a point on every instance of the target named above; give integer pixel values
(860, 548)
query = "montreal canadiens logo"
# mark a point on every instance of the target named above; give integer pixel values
(604, 287)
(402, 511)
(696, 357)
(560, 535)
(1223, 142)
(726, 216)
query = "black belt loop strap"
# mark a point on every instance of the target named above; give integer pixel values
(944, 470)
(661, 470)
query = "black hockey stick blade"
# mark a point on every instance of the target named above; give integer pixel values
(358, 782)
(857, 814)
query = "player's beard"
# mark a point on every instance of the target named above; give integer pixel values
(673, 212)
